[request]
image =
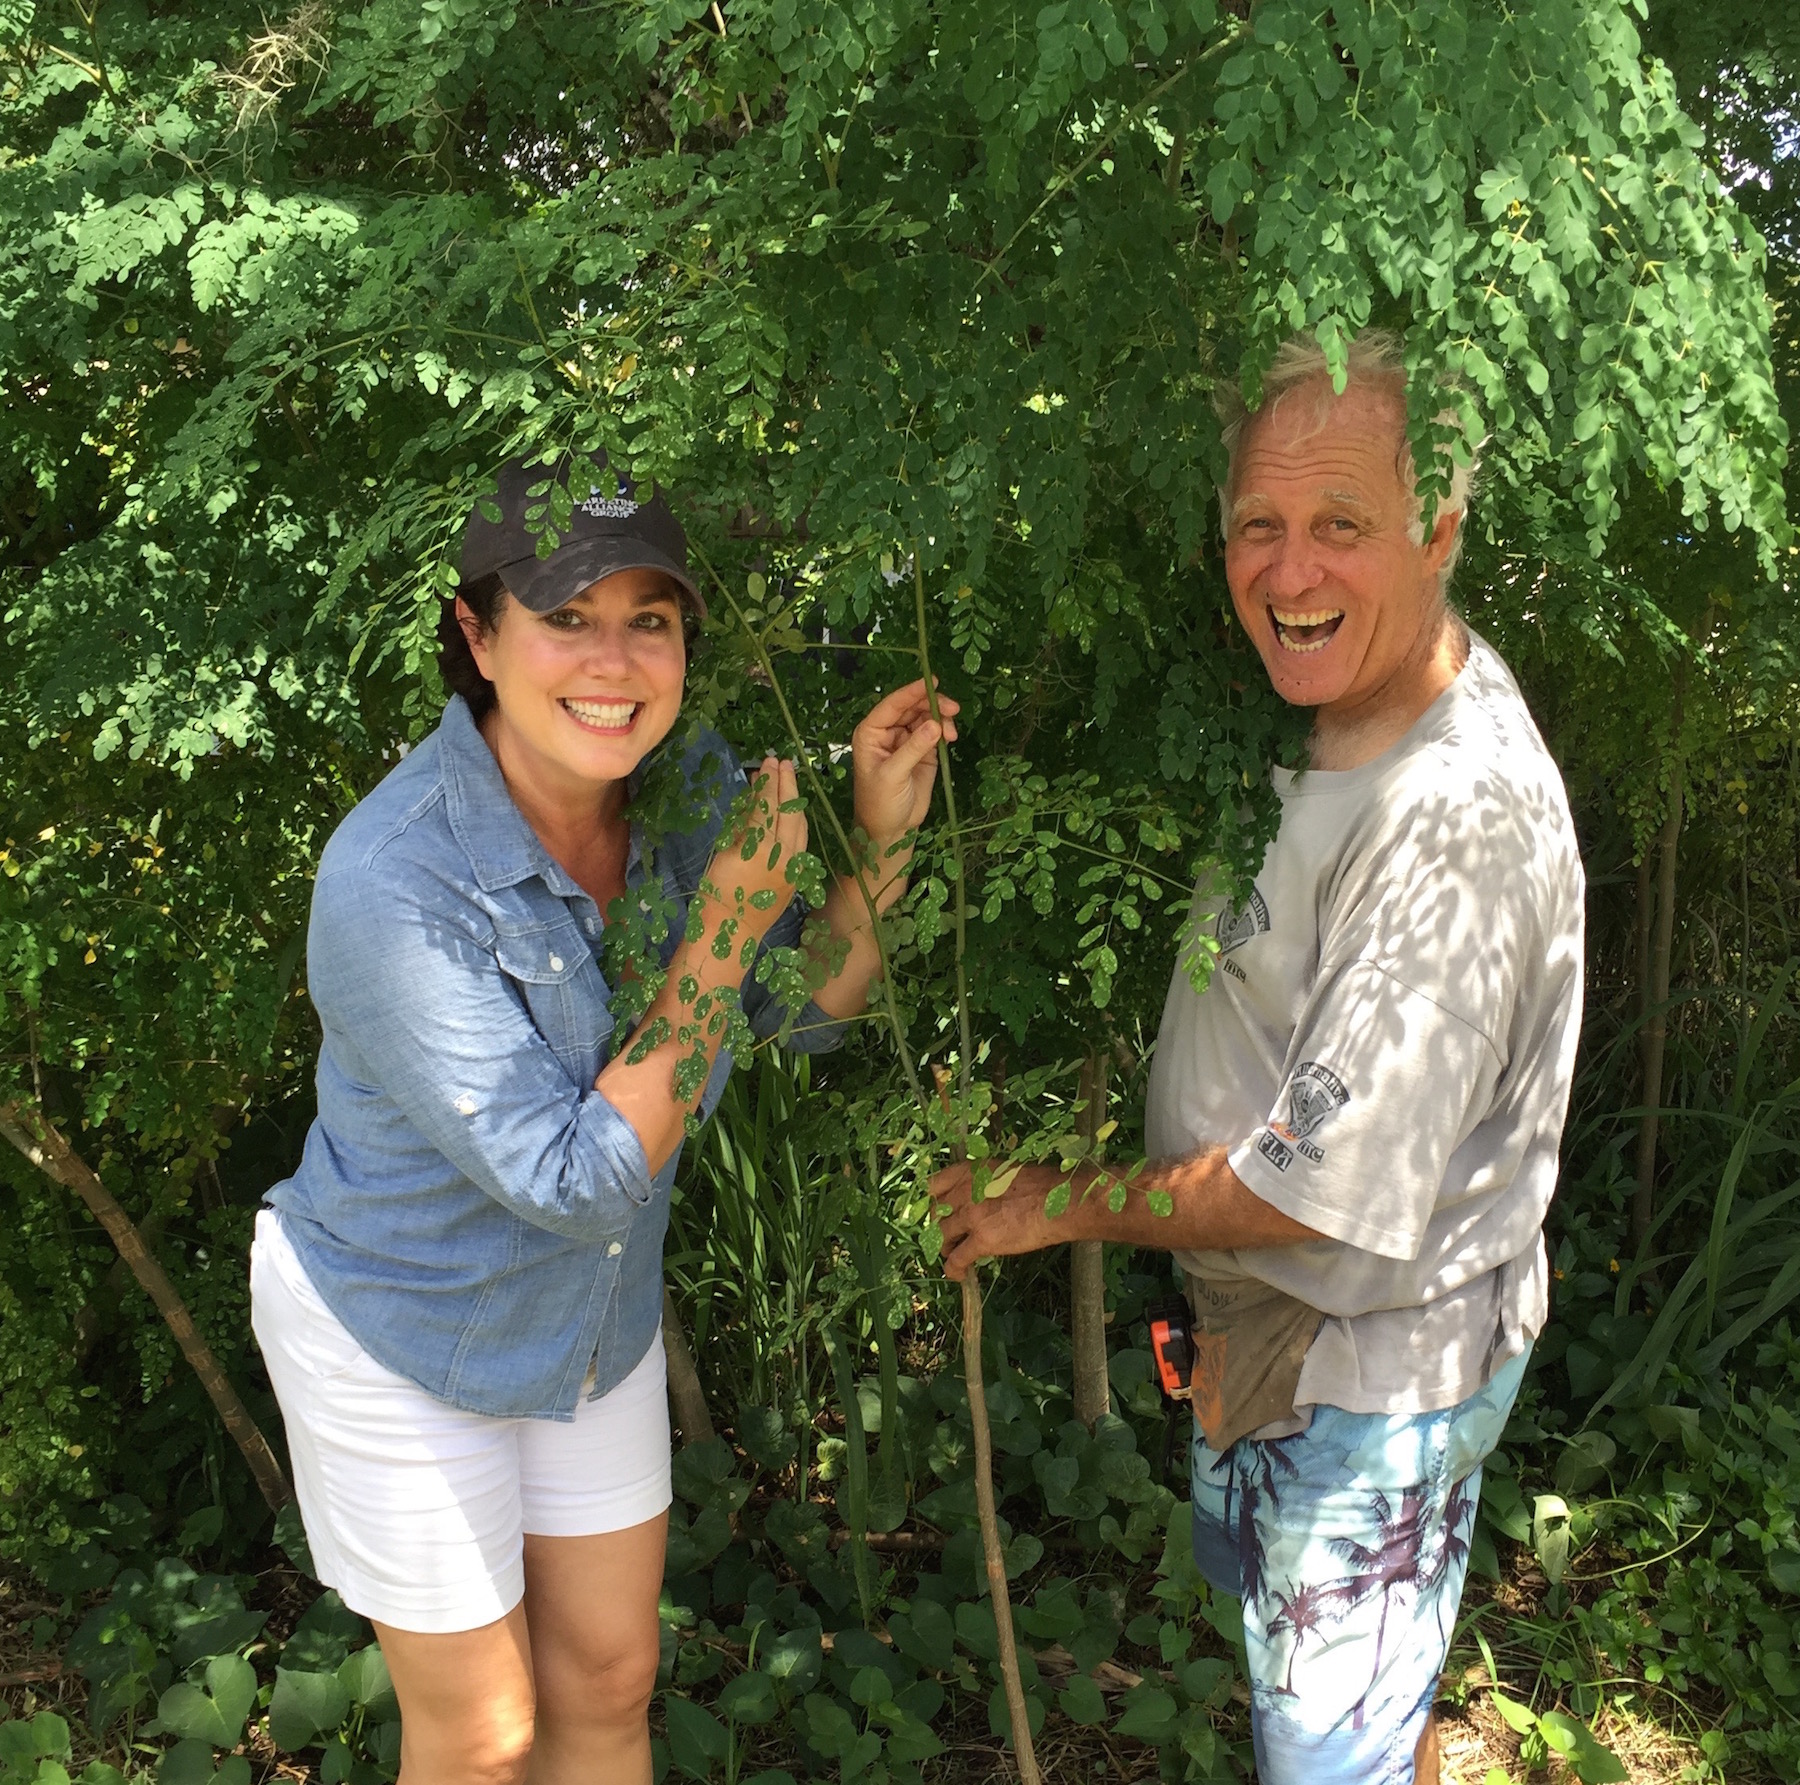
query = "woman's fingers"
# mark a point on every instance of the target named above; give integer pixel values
(903, 709)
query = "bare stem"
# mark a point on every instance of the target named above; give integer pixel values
(974, 1374)
(804, 758)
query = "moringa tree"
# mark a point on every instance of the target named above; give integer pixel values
(918, 308)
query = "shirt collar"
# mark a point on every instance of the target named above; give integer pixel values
(502, 848)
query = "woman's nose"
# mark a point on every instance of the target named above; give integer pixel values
(609, 649)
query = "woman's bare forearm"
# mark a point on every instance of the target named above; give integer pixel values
(846, 992)
(643, 1091)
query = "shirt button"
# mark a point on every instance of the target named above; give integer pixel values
(593, 926)
(556, 963)
(614, 1249)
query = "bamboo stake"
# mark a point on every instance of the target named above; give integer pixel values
(993, 1553)
(1087, 1271)
(39, 1140)
(974, 1373)
(1655, 1037)
(685, 1393)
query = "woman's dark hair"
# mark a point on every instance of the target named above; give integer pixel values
(456, 662)
(486, 596)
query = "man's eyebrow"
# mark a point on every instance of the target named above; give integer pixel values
(1349, 499)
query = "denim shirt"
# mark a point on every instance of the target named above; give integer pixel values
(481, 1219)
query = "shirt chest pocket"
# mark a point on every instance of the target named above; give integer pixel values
(557, 979)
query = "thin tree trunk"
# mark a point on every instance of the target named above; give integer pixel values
(685, 1395)
(39, 1140)
(1087, 1272)
(974, 1374)
(1655, 1033)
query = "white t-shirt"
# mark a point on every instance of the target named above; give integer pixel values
(1386, 1047)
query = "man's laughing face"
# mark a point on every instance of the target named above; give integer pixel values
(1324, 572)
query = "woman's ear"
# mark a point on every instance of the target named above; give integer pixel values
(474, 633)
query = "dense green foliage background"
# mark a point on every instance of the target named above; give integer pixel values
(917, 311)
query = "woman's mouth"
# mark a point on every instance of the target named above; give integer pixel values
(611, 716)
(1306, 631)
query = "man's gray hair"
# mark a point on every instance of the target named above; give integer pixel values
(1375, 357)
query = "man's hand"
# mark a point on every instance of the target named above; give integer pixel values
(1005, 1222)
(1205, 1206)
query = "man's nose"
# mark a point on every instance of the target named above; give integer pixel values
(1293, 568)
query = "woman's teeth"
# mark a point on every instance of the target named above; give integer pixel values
(1305, 632)
(608, 715)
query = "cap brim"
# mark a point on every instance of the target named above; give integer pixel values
(545, 584)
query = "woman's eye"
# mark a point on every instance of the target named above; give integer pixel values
(652, 622)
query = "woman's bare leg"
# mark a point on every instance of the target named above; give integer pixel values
(466, 1702)
(590, 1603)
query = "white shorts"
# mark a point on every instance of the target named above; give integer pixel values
(417, 1511)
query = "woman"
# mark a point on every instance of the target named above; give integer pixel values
(459, 1291)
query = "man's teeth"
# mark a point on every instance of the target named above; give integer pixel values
(1286, 625)
(611, 715)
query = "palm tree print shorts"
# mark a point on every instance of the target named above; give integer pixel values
(1347, 1544)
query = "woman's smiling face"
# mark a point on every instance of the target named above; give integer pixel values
(1325, 575)
(585, 693)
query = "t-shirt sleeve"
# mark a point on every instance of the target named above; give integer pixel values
(1383, 1083)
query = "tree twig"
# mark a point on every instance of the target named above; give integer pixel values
(39, 1140)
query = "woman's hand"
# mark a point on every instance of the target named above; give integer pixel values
(894, 754)
(775, 836)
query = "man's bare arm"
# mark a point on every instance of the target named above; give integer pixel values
(1213, 1211)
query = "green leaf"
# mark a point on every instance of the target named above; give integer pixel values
(365, 1677)
(1592, 1761)
(793, 1660)
(697, 1739)
(1081, 1702)
(1520, 1718)
(750, 1698)
(1550, 1535)
(214, 1713)
(926, 1633)
(305, 1706)
(1150, 1714)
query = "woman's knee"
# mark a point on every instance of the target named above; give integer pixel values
(611, 1685)
(494, 1749)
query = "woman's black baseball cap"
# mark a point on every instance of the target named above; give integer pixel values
(609, 529)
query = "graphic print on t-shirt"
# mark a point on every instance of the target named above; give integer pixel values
(1314, 1093)
(1236, 927)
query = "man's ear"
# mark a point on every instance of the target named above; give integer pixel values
(1443, 538)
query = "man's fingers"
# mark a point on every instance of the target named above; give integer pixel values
(951, 1183)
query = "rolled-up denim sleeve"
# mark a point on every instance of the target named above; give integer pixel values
(417, 1008)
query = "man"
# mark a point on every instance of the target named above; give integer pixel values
(1358, 1121)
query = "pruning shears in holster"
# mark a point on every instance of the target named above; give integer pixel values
(1172, 1354)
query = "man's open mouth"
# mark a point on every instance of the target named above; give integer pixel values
(1304, 631)
(604, 715)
